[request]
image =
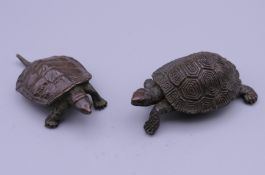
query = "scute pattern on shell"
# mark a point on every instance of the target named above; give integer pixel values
(198, 83)
(45, 80)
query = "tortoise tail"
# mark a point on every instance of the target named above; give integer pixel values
(23, 60)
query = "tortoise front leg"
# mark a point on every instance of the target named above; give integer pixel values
(99, 102)
(153, 123)
(55, 117)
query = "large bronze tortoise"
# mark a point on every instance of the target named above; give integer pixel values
(197, 83)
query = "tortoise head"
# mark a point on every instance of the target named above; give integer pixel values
(80, 100)
(142, 97)
(149, 95)
(83, 105)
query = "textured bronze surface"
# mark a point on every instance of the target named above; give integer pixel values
(197, 83)
(60, 82)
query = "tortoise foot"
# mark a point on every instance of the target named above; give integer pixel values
(151, 126)
(250, 98)
(249, 95)
(51, 123)
(100, 104)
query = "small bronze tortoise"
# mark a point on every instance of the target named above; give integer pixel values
(59, 82)
(194, 84)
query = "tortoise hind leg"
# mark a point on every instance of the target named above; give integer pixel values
(153, 123)
(98, 101)
(55, 117)
(248, 94)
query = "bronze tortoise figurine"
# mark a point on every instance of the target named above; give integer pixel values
(59, 82)
(197, 83)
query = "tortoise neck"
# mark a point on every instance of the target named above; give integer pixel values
(156, 93)
(76, 94)
(154, 90)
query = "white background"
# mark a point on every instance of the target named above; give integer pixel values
(121, 43)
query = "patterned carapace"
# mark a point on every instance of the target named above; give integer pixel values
(45, 80)
(199, 82)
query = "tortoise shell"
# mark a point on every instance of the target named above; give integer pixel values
(198, 83)
(45, 80)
